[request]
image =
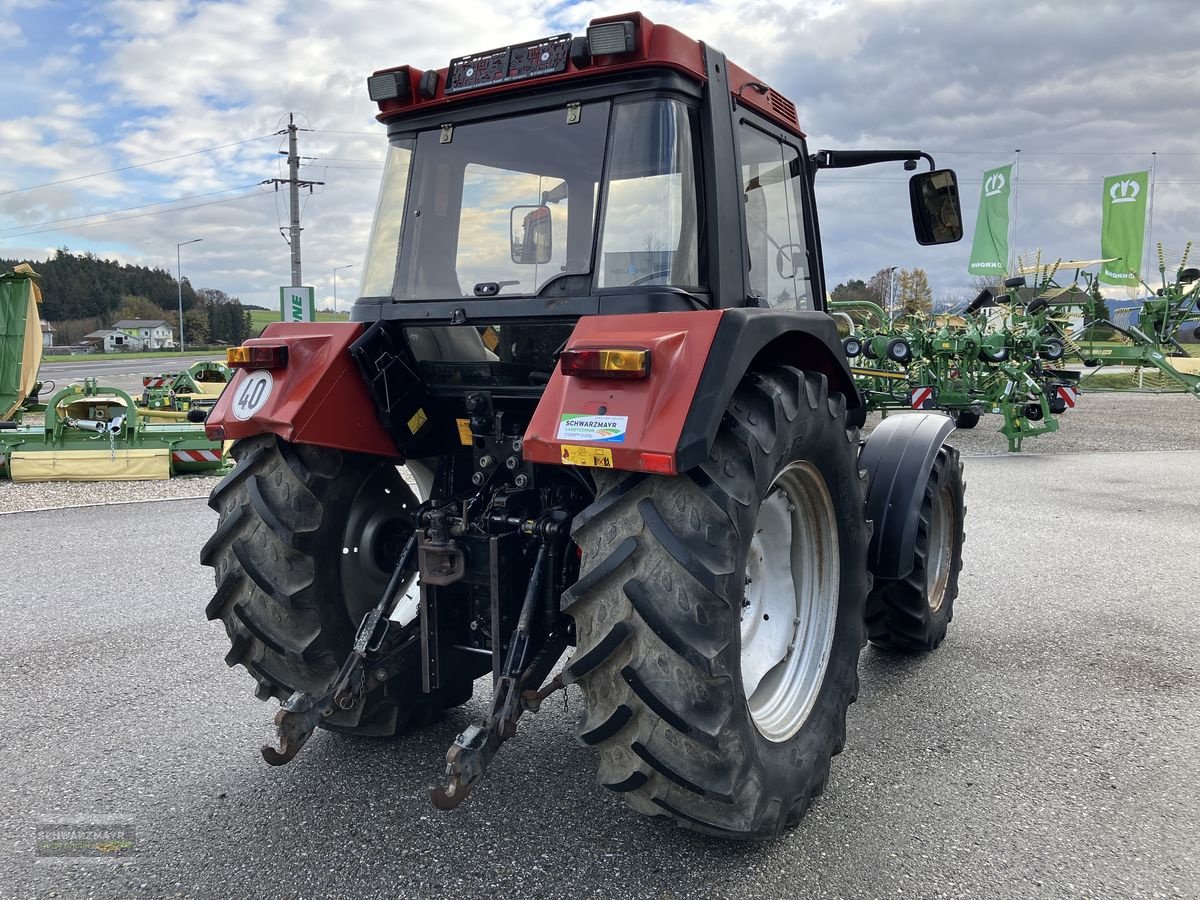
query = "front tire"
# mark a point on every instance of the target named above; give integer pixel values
(670, 636)
(913, 613)
(304, 546)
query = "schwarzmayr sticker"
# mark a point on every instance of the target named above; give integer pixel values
(576, 427)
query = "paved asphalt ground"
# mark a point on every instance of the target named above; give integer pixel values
(125, 374)
(1047, 749)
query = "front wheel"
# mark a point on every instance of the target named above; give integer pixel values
(913, 613)
(719, 616)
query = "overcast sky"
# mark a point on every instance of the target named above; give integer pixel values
(1084, 90)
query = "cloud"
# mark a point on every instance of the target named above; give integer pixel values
(1084, 90)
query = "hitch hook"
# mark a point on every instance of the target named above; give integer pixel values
(298, 716)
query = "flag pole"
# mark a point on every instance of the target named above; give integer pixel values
(1150, 215)
(1012, 227)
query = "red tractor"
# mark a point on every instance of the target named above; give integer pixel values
(592, 327)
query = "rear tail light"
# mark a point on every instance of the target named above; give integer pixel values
(258, 356)
(606, 363)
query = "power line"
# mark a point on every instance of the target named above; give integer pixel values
(153, 162)
(346, 159)
(107, 212)
(140, 215)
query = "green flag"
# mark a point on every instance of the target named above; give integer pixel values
(1124, 228)
(989, 251)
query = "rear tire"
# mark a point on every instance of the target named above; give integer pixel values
(304, 546)
(965, 419)
(660, 612)
(913, 613)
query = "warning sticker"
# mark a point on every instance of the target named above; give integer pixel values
(464, 431)
(418, 419)
(595, 457)
(578, 427)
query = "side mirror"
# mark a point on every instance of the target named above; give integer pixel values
(531, 235)
(937, 214)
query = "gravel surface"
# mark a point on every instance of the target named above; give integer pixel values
(67, 494)
(1106, 422)
(1047, 749)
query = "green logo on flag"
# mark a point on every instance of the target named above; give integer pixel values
(989, 250)
(1123, 228)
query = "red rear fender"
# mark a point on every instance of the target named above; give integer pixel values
(319, 397)
(636, 424)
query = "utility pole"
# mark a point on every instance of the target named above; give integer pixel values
(294, 183)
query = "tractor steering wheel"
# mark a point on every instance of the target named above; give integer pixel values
(647, 279)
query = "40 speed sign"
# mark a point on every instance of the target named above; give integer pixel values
(252, 394)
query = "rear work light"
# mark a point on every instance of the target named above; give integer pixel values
(388, 86)
(268, 356)
(609, 363)
(611, 38)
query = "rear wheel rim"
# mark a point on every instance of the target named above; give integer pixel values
(791, 598)
(379, 522)
(940, 549)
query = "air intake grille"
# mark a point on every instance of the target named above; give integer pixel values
(782, 105)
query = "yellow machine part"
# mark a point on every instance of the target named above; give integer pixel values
(1189, 366)
(165, 415)
(90, 465)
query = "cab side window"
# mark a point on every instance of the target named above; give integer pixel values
(775, 245)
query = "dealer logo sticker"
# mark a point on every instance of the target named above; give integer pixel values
(253, 394)
(579, 427)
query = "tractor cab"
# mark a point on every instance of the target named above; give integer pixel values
(631, 170)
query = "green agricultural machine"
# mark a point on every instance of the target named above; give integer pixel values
(20, 344)
(997, 358)
(95, 433)
(1151, 348)
(188, 395)
(88, 432)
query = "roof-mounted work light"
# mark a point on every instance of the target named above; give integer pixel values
(388, 85)
(611, 38)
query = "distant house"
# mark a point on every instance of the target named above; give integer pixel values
(155, 334)
(110, 340)
(48, 332)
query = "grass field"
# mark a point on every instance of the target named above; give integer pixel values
(261, 318)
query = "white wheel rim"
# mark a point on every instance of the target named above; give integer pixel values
(940, 548)
(791, 599)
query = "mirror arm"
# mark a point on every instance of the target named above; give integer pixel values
(847, 159)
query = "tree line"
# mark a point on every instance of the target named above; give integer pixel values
(82, 293)
(903, 292)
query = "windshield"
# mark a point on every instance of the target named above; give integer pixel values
(505, 206)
